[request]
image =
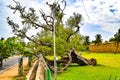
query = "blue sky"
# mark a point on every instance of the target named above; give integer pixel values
(102, 17)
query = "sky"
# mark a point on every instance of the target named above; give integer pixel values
(99, 16)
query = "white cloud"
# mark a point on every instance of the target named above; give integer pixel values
(15, 17)
(97, 10)
(100, 14)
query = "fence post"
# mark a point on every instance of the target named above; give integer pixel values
(42, 73)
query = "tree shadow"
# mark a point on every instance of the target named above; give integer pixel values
(76, 65)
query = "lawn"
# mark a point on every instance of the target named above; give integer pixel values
(108, 68)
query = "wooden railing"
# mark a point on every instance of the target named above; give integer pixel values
(39, 71)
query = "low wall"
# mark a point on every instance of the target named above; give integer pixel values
(104, 47)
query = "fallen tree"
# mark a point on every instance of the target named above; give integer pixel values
(72, 57)
(81, 60)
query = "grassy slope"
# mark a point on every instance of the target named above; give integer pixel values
(108, 68)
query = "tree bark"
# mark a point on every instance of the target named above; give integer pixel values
(72, 57)
(29, 60)
(1, 62)
(20, 68)
(66, 62)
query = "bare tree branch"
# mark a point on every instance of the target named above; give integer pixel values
(77, 30)
(31, 18)
(22, 33)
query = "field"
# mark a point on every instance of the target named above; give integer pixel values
(108, 68)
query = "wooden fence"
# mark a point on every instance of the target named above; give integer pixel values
(104, 47)
(39, 71)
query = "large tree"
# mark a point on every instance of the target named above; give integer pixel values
(116, 39)
(3, 46)
(86, 42)
(6, 49)
(67, 34)
(98, 39)
(112, 39)
(9, 47)
(2, 51)
(64, 33)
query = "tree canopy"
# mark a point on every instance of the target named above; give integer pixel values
(117, 36)
(67, 35)
(98, 39)
(86, 42)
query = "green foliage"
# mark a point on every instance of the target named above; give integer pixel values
(98, 39)
(7, 47)
(76, 42)
(61, 46)
(67, 35)
(13, 46)
(116, 39)
(117, 36)
(86, 42)
(112, 39)
(3, 49)
(74, 20)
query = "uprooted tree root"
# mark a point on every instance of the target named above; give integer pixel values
(72, 57)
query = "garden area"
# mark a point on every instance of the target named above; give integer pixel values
(108, 68)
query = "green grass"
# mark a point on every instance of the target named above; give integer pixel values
(108, 68)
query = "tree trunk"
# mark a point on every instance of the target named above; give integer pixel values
(20, 68)
(67, 62)
(81, 60)
(73, 57)
(29, 60)
(1, 62)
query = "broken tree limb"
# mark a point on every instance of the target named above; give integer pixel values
(65, 62)
(81, 60)
(72, 57)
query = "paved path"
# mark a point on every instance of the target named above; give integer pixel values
(8, 63)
